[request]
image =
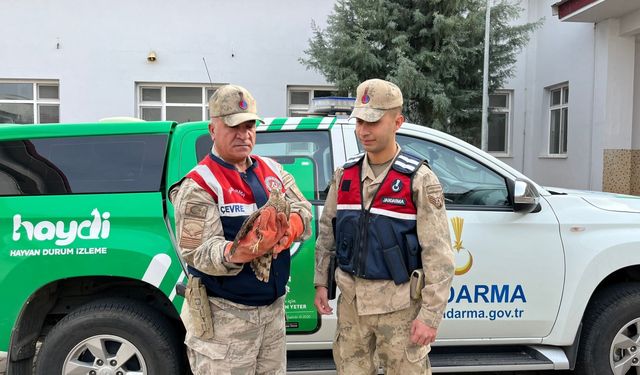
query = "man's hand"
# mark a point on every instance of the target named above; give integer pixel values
(322, 301)
(422, 334)
(296, 228)
(267, 230)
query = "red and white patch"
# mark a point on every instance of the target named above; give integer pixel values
(272, 183)
(232, 190)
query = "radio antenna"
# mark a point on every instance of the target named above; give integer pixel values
(207, 69)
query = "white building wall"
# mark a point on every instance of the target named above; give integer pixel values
(614, 85)
(636, 99)
(103, 47)
(599, 61)
(517, 86)
(613, 93)
(557, 53)
(98, 49)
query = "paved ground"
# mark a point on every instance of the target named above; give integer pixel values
(520, 373)
(484, 373)
(3, 364)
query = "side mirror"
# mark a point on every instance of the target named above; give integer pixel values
(525, 197)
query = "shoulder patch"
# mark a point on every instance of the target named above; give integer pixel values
(353, 160)
(407, 163)
(191, 236)
(196, 210)
(435, 195)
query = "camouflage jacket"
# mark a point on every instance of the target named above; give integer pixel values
(207, 253)
(384, 296)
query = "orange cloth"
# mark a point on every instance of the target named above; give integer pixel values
(295, 230)
(267, 230)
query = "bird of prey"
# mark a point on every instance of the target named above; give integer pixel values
(261, 265)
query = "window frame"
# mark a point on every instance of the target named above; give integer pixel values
(562, 133)
(297, 110)
(36, 101)
(456, 205)
(508, 110)
(162, 104)
(323, 172)
(44, 160)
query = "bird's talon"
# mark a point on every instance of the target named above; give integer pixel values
(255, 247)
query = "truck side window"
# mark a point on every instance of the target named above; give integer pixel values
(93, 164)
(301, 148)
(465, 181)
(301, 152)
(203, 146)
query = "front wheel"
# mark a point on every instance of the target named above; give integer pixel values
(111, 337)
(610, 343)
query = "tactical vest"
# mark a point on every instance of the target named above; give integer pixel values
(238, 195)
(379, 242)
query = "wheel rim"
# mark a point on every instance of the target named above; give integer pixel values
(104, 355)
(624, 355)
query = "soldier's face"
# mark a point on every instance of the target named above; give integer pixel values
(380, 136)
(233, 144)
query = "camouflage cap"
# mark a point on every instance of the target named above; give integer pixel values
(234, 105)
(374, 97)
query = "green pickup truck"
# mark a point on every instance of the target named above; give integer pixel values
(88, 265)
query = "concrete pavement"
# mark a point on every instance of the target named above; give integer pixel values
(3, 363)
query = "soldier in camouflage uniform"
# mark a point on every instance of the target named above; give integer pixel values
(392, 246)
(235, 322)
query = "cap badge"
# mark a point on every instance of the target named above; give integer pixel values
(365, 96)
(243, 103)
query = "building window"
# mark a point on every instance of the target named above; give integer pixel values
(29, 102)
(499, 122)
(299, 98)
(558, 119)
(170, 102)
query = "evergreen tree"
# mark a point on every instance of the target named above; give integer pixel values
(432, 49)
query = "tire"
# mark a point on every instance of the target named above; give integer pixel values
(94, 336)
(611, 329)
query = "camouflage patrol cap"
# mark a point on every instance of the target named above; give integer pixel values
(234, 105)
(374, 97)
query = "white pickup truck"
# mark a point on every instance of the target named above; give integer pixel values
(546, 278)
